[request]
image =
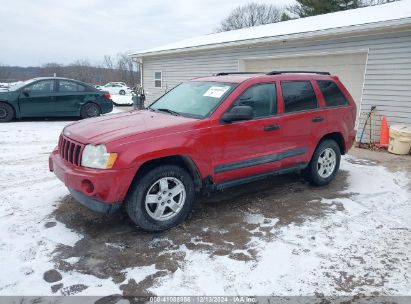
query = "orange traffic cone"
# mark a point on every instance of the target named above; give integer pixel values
(384, 135)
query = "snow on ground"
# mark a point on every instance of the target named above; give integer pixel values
(370, 223)
(304, 259)
(4, 86)
(28, 195)
(122, 99)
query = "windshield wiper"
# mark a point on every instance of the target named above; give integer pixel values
(169, 111)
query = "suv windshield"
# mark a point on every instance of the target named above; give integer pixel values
(194, 99)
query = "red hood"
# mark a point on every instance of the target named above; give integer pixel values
(111, 127)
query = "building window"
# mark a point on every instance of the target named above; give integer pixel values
(298, 96)
(158, 79)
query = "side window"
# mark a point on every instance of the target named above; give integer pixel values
(44, 86)
(332, 94)
(158, 79)
(81, 88)
(298, 96)
(261, 97)
(69, 86)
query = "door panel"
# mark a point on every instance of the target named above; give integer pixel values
(246, 148)
(38, 101)
(69, 98)
(302, 119)
(250, 147)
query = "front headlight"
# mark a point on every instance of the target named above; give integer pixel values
(97, 157)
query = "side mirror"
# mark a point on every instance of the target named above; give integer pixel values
(238, 113)
(26, 92)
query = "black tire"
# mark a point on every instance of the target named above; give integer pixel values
(135, 201)
(6, 112)
(122, 92)
(312, 172)
(90, 110)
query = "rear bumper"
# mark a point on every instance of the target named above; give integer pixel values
(350, 140)
(107, 107)
(92, 185)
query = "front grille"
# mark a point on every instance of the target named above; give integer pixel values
(70, 151)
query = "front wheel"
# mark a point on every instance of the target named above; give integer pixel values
(161, 198)
(122, 92)
(6, 112)
(90, 110)
(324, 164)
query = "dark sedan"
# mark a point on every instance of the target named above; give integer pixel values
(53, 97)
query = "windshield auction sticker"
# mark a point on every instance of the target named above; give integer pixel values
(216, 91)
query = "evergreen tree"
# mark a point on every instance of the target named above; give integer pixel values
(305, 8)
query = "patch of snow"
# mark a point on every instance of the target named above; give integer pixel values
(72, 260)
(139, 273)
(120, 247)
(122, 99)
(259, 219)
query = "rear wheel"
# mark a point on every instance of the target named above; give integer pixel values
(6, 112)
(90, 110)
(122, 92)
(161, 198)
(324, 164)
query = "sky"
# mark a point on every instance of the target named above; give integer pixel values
(34, 32)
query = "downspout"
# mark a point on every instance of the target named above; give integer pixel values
(140, 64)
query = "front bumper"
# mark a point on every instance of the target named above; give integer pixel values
(94, 204)
(92, 185)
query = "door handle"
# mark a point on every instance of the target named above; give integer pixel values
(271, 128)
(317, 119)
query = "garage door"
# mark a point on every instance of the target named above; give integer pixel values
(349, 68)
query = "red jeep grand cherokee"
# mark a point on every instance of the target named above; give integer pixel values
(206, 134)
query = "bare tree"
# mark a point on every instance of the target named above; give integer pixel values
(81, 70)
(4, 72)
(118, 68)
(249, 15)
(51, 69)
(127, 68)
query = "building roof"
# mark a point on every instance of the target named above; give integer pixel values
(393, 13)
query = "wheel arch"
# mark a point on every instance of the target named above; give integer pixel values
(88, 102)
(338, 138)
(15, 108)
(183, 161)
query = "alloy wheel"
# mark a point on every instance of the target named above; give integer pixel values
(326, 163)
(165, 198)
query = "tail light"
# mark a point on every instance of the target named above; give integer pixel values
(107, 95)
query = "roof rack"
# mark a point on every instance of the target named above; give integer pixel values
(272, 73)
(289, 72)
(236, 73)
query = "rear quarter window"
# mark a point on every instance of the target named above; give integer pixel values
(298, 96)
(333, 96)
